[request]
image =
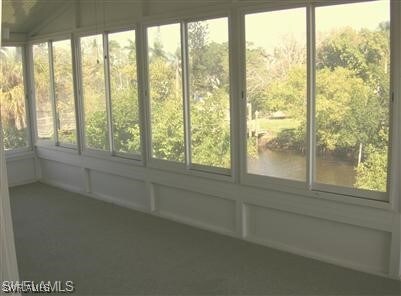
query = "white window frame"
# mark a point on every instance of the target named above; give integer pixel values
(135, 158)
(128, 155)
(187, 166)
(53, 83)
(309, 187)
(53, 142)
(28, 148)
(41, 141)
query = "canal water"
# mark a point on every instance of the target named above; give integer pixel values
(292, 165)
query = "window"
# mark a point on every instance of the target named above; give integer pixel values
(190, 110)
(209, 92)
(44, 105)
(124, 92)
(93, 91)
(276, 93)
(349, 96)
(64, 92)
(352, 94)
(12, 99)
(165, 91)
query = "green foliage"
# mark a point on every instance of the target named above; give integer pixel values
(166, 109)
(372, 172)
(14, 137)
(96, 131)
(211, 130)
(12, 99)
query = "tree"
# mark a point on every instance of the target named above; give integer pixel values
(12, 99)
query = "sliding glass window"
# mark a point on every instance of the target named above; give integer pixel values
(345, 83)
(352, 71)
(64, 92)
(276, 93)
(166, 94)
(12, 99)
(124, 92)
(209, 92)
(43, 96)
(94, 93)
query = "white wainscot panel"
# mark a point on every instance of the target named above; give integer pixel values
(62, 175)
(209, 212)
(21, 171)
(348, 245)
(120, 190)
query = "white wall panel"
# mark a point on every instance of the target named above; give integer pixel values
(21, 171)
(63, 175)
(202, 210)
(123, 191)
(353, 246)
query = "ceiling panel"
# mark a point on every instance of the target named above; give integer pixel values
(21, 16)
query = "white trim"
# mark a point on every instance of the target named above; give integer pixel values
(107, 91)
(53, 93)
(185, 81)
(20, 155)
(141, 60)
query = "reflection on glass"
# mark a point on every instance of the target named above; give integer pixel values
(276, 93)
(64, 92)
(12, 99)
(124, 92)
(352, 94)
(94, 97)
(43, 103)
(209, 92)
(165, 90)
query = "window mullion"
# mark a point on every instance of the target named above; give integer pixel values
(53, 94)
(108, 91)
(185, 83)
(27, 86)
(77, 104)
(143, 88)
(311, 130)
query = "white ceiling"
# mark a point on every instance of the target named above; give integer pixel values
(22, 16)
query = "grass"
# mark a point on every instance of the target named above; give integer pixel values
(274, 125)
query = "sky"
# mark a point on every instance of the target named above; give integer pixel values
(267, 29)
(170, 34)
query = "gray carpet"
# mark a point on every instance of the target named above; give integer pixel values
(109, 250)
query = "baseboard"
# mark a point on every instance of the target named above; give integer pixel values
(310, 255)
(25, 182)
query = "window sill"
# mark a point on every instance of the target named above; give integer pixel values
(196, 171)
(300, 188)
(21, 153)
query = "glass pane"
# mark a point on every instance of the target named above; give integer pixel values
(165, 87)
(124, 92)
(64, 92)
(276, 93)
(209, 92)
(352, 94)
(12, 99)
(44, 113)
(94, 96)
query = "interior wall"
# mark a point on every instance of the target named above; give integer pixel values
(21, 169)
(352, 236)
(355, 236)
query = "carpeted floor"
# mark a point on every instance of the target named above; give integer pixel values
(109, 250)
